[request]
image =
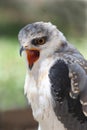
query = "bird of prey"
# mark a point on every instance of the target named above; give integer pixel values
(56, 79)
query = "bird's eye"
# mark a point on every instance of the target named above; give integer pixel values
(39, 41)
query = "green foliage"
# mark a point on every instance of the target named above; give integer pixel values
(10, 29)
(80, 43)
(68, 15)
(12, 73)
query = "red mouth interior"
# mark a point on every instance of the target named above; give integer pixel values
(32, 56)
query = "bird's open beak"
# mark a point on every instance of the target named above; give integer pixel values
(32, 55)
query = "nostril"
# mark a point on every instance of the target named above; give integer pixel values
(26, 46)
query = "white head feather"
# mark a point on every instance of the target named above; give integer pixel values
(55, 39)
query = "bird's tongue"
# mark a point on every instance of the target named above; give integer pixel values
(32, 56)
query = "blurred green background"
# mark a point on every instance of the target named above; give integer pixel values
(68, 15)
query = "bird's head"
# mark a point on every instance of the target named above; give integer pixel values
(39, 40)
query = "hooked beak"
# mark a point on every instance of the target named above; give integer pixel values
(21, 50)
(32, 55)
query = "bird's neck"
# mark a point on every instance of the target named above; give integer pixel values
(40, 64)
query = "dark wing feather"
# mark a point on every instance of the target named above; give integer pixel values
(60, 80)
(67, 109)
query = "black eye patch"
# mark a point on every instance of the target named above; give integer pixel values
(39, 41)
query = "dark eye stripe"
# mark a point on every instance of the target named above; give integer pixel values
(39, 41)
